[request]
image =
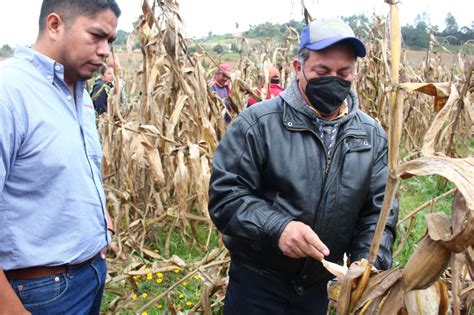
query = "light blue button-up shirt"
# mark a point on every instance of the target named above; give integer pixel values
(51, 196)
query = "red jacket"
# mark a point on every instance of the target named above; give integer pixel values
(275, 90)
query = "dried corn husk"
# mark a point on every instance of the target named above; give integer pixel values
(426, 264)
(337, 270)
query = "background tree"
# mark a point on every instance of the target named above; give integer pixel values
(450, 33)
(451, 25)
(218, 49)
(121, 38)
(359, 24)
(416, 36)
(6, 51)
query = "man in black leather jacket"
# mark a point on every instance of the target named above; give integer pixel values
(299, 178)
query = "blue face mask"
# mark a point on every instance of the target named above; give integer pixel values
(326, 94)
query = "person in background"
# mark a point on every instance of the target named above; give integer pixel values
(101, 89)
(299, 179)
(220, 84)
(118, 71)
(274, 88)
(54, 226)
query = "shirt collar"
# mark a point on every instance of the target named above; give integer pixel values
(47, 66)
(343, 110)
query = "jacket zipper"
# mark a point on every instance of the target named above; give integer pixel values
(320, 140)
(328, 160)
(335, 147)
(328, 164)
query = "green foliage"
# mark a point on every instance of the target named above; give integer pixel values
(184, 296)
(451, 25)
(218, 49)
(413, 193)
(192, 49)
(270, 30)
(415, 36)
(6, 51)
(234, 47)
(121, 38)
(360, 24)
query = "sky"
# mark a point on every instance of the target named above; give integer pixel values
(19, 18)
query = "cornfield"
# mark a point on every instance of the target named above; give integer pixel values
(158, 155)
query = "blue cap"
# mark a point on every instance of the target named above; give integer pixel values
(320, 34)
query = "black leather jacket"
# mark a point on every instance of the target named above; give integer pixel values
(271, 168)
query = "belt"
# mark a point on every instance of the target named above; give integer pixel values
(43, 271)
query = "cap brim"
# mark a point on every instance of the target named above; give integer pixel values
(359, 47)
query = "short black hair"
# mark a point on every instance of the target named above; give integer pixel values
(69, 10)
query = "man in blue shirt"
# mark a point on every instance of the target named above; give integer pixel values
(53, 220)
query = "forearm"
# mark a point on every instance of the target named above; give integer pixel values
(9, 301)
(370, 212)
(248, 217)
(108, 219)
(364, 235)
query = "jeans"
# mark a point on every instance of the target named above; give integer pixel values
(78, 291)
(252, 293)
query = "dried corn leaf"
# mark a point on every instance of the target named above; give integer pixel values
(433, 89)
(378, 285)
(180, 181)
(344, 299)
(178, 261)
(334, 289)
(440, 91)
(425, 265)
(169, 39)
(154, 162)
(391, 304)
(200, 185)
(459, 171)
(137, 150)
(152, 254)
(440, 228)
(442, 118)
(173, 121)
(430, 301)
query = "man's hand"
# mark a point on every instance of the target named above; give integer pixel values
(9, 302)
(298, 240)
(103, 252)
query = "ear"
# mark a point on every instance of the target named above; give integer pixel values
(297, 66)
(54, 26)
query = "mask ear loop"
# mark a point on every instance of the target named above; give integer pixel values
(304, 74)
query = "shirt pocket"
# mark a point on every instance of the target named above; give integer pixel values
(41, 291)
